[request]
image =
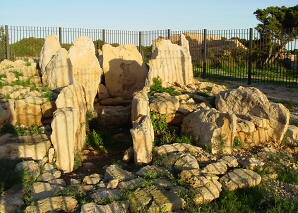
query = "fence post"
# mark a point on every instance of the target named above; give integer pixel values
(104, 36)
(7, 42)
(205, 54)
(60, 35)
(140, 40)
(169, 33)
(250, 57)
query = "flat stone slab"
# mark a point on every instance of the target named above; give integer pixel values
(240, 178)
(101, 195)
(217, 168)
(208, 192)
(131, 184)
(116, 207)
(177, 147)
(115, 172)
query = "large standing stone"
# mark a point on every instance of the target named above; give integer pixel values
(86, 69)
(258, 120)
(140, 104)
(143, 136)
(58, 72)
(124, 70)
(212, 128)
(49, 49)
(65, 125)
(73, 96)
(171, 62)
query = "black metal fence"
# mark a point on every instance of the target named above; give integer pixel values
(240, 54)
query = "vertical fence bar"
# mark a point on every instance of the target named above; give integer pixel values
(104, 36)
(169, 33)
(250, 57)
(140, 40)
(60, 35)
(7, 42)
(205, 54)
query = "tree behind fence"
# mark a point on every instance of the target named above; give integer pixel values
(221, 54)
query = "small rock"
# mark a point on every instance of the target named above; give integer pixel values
(29, 166)
(41, 190)
(92, 179)
(208, 192)
(215, 168)
(131, 184)
(113, 184)
(115, 207)
(251, 163)
(128, 155)
(115, 172)
(230, 161)
(75, 182)
(12, 200)
(164, 183)
(53, 174)
(101, 195)
(152, 171)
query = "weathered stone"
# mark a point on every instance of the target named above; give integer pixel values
(52, 204)
(101, 195)
(41, 190)
(291, 137)
(240, 178)
(92, 179)
(102, 92)
(86, 69)
(140, 104)
(163, 183)
(29, 147)
(51, 155)
(178, 147)
(193, 181)
(143, 136)
(164, 201)
(164, 103)
(114, 101)
(58, 72)
(5, 113)
(115, 207)
(139, 200)
(32, 167)
(73, 96)
(213, 128)
(230, 161)
(12, 199)
(114, 116)
(217, 168)
(131, 184)
(49, 49)
(128, 155)
(27, 114)
(251, 163)
(51, 175)
(207, 193)
(115, 172)
(172, 63)
(152, 170)
(253, 105)
(57, 183)
(186, 162)
(113, 184)
(124, 70)
(65, 125)
(48, 167)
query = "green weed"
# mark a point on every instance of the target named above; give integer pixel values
(238, 143)
(95, 141)
(157, 87)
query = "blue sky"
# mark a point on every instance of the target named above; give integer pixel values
(136, 14)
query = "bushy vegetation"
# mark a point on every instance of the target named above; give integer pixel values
(157, 87)
(21, 131)
(27, 47)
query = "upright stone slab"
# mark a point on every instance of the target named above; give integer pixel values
(58, 72)
(64, 127)
(143, 136)
(73, 96)
(49, 49)
(140, 104)
(86, 69)
(124, 70)
(171, 62)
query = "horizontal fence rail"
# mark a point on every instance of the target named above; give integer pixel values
(238, 55)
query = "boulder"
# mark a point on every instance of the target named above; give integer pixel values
(240, 178)
(12, 199)
(208, 192)
(115, 172)
(73, 96)
(65, 125)
(165, 104)
(143, 137)
(291, 137)
(213, 129)
(258, 120)
(58, 72)
(49, 49)
(86, 69)
(171, 62)
(140, 104)
(124, 70)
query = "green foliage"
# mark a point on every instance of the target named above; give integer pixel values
(98, 44)
(48, 94)
(8, 177)
(157, 87)
(21, 131)
(74, 191)
(2, 43)
(17, 74)
(238, 143)
(27, 47)
(78, 160)
(95, 141)
(66, 46)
